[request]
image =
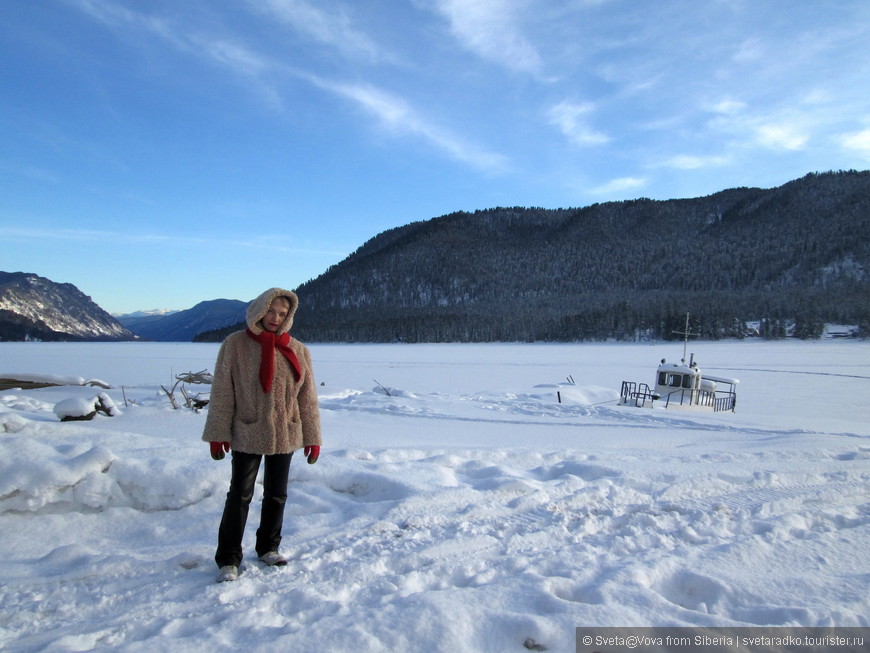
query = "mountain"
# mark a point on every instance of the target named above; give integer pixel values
(155, 312)
(798, 252)
(36, 308)
(33, 307)
(141, 319)
(182, 326)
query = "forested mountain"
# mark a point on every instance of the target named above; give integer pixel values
(615, 270)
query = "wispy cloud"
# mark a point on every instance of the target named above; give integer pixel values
(268, 73)
(749, 51)
(221, 51)
(232, 55)
(781, 136)
(400, 117)
(334, 29)
(727, 106)
(571, 120)
(690, 162)
(85, 235)
(491, 30)
(779, 130)
(272, 243)
(858, 141)
(116, 15)
(620, 185)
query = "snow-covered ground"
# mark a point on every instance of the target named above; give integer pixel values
(462, 509)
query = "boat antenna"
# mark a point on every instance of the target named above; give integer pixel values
(685, 333)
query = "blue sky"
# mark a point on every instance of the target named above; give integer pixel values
(160, 153)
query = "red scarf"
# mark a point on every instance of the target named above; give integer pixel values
(269, 342)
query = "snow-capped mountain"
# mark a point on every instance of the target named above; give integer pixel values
(36, 308)
(182, 326)
(33, 307)
(141, 322)
(154, 312)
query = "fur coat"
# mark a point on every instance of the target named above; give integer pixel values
(283, 420)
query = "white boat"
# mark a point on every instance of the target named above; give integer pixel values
(682, 385)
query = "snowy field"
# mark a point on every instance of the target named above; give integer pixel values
(465, 509)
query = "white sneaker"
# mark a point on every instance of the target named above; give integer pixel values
(273, 559)
(228, 572)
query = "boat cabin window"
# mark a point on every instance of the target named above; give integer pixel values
(672, 380)
(676, 380)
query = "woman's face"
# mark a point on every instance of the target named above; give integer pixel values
(275, 316)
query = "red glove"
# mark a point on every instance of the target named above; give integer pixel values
(218, 449)
(312, 452)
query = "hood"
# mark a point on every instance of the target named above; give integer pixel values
(257, 309)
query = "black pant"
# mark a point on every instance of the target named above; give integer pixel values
(232, 528)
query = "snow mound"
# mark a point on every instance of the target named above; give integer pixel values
(43, 478)
(77, 407)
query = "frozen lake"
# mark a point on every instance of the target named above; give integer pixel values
(464, 508)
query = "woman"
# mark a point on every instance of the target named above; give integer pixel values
(263, 404)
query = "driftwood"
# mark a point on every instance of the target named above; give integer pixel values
(79, 418)
(203, 378)
(9, 383)
(195, 402)
(171, 395)
(94, 383)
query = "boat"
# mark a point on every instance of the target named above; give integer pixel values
(682, 385)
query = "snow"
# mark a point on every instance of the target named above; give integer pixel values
(75, 407)
(457, 504)
(82, 406)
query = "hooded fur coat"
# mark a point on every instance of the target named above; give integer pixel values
(283, 420)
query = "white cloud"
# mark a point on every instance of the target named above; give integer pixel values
(783, 130)
(620, 185)
(728, 107)
(819, 96)
(396, 114)
(781, 136)
(491, 29)
(689, 162)
(391, 110)
(570, 118)
(859, 141)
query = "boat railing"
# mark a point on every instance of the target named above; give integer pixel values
(718, 400)
(728, 401)
(636, 393)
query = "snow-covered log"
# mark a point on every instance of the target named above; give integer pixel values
(81, 408)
